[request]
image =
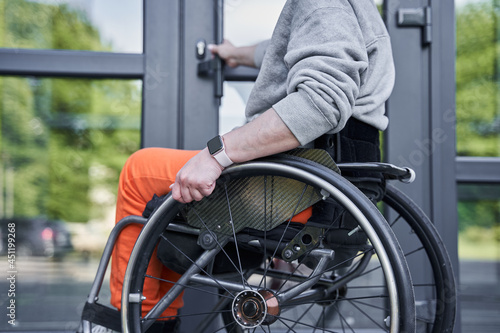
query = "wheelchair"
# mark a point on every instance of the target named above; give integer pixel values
(268, 273)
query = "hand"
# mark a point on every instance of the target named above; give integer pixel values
(232, 55)
(227, 52)
(197, 178)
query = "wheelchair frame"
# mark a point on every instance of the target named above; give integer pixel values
(295, 168)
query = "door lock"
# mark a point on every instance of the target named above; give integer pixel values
(201, 49)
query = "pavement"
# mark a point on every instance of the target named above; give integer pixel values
(50, 295)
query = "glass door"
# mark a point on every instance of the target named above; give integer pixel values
(478, 143)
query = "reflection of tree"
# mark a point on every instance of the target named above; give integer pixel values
(64, 138)
(29, 24)
(478, 120)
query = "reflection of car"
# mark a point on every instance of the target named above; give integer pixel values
(36, 237)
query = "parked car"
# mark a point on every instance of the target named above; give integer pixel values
(36, 237)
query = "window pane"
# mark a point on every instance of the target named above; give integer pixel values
(477, 77)
(108, 25)
(479, 254)
(63, 144)
(246, 22)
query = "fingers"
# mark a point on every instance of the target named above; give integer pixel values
(187, 194)
(197, 178)
(225, 51)
(190, 194)
(215, 48)
(212, 48)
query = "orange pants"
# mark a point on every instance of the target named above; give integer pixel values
(149, 171)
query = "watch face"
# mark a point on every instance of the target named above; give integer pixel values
(215, 145)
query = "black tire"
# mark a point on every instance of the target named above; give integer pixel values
(386, 303)
(435, 294)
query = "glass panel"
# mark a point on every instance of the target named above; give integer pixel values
(380, 6)
(111, 25)
(63, 143)
(477, 77)
(246, 22)
(479, 254)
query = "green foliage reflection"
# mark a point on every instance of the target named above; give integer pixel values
(478, 123)
(66, 140)
(63, 141)
(477, 64)
(34, 25)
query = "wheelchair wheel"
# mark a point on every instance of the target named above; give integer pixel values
(302, 280)
(435, 293)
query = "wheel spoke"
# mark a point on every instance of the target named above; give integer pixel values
(234, 235)
(221, 247)
(321, 320)
(407, 254)
(194, 263)
(303, 314)
(395, 220)
(343, 320)
(283, 235)
(369, 317)
(284, 320)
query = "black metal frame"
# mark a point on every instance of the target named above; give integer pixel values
(478, 170)
(71, 63)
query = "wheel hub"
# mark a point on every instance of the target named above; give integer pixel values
(253, 308)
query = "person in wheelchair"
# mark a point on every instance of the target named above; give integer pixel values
(324, 78)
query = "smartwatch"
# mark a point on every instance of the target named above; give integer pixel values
(216, 148)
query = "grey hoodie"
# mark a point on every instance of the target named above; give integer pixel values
(327, 60)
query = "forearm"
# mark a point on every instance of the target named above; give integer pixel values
(244, 55)
(264, 136)
(235, 56)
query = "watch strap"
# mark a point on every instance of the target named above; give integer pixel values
(223, 159)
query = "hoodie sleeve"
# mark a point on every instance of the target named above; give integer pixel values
(327, 58)
(260, 52)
